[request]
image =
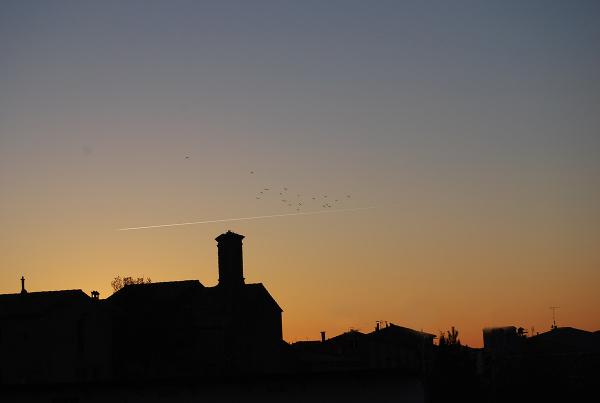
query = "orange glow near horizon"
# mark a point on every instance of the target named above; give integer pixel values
(480, 155)
(333, 279)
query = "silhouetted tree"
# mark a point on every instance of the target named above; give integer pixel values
(454, 376)
(450, 338)
(442, 341)
(453, 336)
(119, 282)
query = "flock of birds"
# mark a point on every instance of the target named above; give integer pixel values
(298, 201)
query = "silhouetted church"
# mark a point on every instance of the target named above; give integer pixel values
(143, 331)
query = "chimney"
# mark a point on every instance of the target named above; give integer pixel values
(23, 290)
(231, 264)
(322, 337)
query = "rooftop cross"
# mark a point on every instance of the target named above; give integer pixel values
(23, 290)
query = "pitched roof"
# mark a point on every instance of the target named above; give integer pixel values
(255, 291)
(393, 329)
(36, 303)
(566, 339)
(349, 335)
(155, 291)
(171, 290)
(246, 294)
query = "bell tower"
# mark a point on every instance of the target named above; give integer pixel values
(231, 263)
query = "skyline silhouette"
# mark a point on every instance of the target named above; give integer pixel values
(472, 127)
(150, 338)
(230, 264)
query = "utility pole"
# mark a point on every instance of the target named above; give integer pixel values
(554, 308)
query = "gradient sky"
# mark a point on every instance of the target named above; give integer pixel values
(472, 127)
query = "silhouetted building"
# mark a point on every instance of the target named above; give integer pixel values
(51, 337)
(565, 340)
(503, 340)
(143, 331)
(561, 363)
(389, 347)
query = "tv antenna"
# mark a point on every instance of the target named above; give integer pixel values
(554, 308)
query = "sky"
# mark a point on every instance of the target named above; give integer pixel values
(472, 128)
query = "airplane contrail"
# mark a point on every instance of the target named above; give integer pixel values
(246, 218)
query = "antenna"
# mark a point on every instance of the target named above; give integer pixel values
(554, 308)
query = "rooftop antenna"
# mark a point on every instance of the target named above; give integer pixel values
(554, 308)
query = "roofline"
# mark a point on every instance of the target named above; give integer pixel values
(392, 325)
(268, 293)
(129, 286)
(78, 290)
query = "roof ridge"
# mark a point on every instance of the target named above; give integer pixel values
(46, 292)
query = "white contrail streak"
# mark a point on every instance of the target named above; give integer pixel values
(246, 218)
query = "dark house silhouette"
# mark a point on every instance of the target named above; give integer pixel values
(143, 331)
(390, 347)
(561, 363)
(50, 337)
